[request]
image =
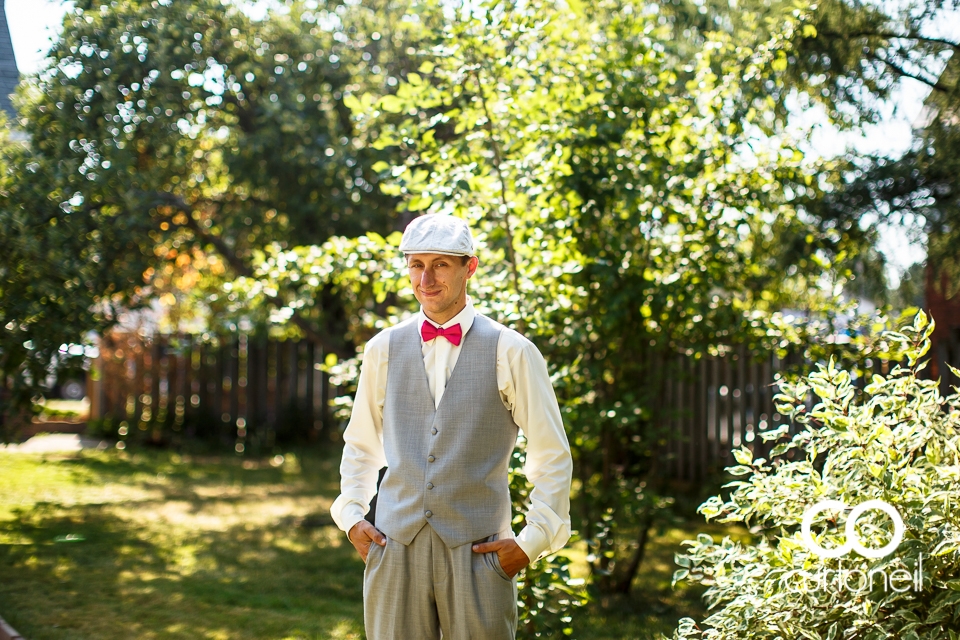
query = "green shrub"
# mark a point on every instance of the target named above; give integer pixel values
(897, 440)
(548, 597)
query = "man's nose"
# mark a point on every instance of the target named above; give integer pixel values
(427, 279)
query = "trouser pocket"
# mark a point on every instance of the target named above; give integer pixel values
(492, 560)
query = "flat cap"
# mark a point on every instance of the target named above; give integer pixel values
(438, 233)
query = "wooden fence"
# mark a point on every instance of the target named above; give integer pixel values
(947, 351)
(242, 389)
(251, 392)
(715, 404)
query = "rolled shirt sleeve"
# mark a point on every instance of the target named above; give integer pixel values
(526, 390)
(363, 454)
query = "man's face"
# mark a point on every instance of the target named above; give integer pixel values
(440, 283)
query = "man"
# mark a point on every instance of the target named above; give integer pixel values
(440, 401)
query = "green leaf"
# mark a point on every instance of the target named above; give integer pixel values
(780, 449)
(420, 202)
(353, 103)
(743, 455)
(391, 104)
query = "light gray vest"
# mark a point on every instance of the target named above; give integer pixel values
(445, 466)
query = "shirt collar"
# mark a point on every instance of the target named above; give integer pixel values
(464, 318)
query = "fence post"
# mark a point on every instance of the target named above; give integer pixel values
(95, 384)
(700, 411)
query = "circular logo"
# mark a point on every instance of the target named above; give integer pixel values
(853, 540)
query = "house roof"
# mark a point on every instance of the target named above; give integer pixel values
(9, 76)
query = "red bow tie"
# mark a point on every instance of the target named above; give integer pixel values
(452, 333)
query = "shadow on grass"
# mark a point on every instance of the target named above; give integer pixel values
(105, 571)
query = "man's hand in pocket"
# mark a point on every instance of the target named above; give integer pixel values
(362, 535)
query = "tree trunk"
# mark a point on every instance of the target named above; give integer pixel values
(623, 584)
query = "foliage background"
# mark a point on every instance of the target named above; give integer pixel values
(628, 168)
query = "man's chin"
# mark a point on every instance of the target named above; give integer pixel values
(433, 303)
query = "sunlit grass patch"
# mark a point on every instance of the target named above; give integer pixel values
(104, 545)
(155, 545)
(70, 410)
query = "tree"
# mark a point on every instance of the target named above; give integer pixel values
(850, 57)
(623, 218)
(180, 138)
(630, 182)
(219, 130)
(62, 276)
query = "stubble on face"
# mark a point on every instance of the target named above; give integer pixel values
(440, 283)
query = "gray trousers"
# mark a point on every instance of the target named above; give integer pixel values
(417, 591)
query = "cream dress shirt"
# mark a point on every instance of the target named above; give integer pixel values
(526, 392)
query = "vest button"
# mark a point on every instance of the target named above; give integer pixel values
(430, 458)
(429, 485)
(428, 513)
(434, 431)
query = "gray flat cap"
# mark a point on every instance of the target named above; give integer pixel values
(438, 233)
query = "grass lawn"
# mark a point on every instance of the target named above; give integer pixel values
(63, 409)
(147, 544)
(154, 545)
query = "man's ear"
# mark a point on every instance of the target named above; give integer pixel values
(472, 265)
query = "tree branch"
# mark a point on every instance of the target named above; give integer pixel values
(937, 86)
(343, 117)
(888, 36)
(497, 160)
